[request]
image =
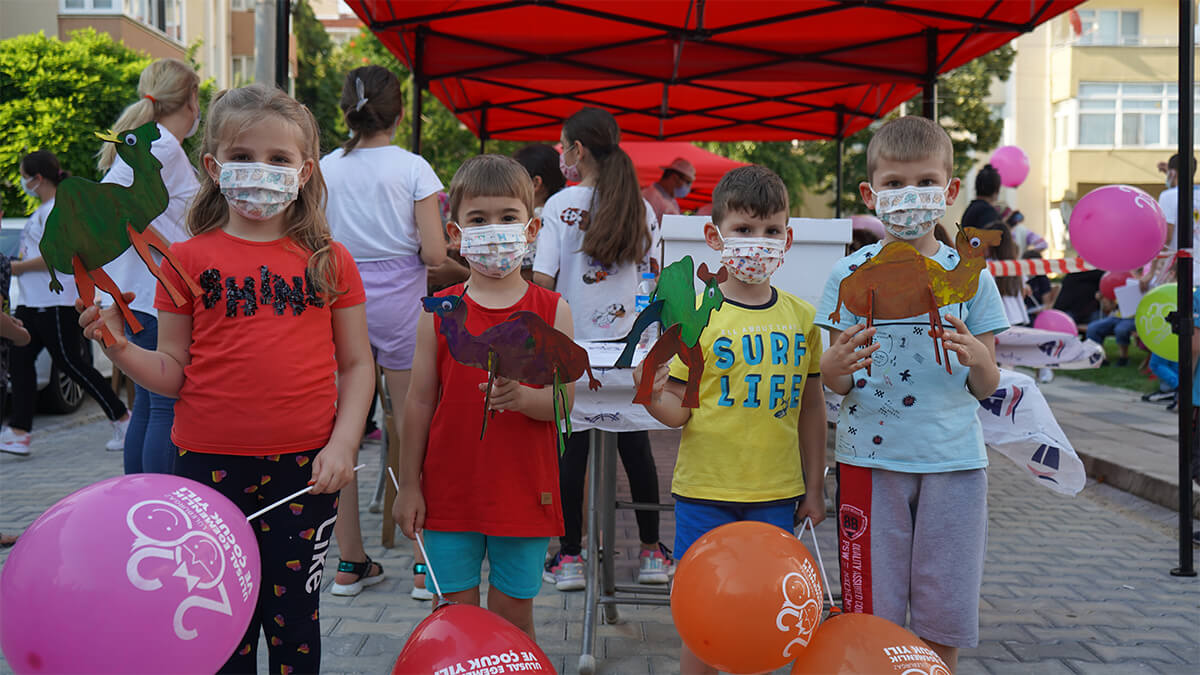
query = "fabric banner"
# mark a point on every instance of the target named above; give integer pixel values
(1036, 348)
(1018, 423)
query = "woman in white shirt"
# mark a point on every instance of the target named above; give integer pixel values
(168, 94)
(383, 207)
(50, 318)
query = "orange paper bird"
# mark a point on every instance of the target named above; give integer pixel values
(913, 284)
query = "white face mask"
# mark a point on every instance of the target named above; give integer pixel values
(910, 212)
(27, 187)
(195, 126)
(752, 260)
(257, 190)
(494, 250)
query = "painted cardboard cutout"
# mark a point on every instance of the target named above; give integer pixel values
(93, 223)
(900, 283)
(674, 306)
(523, 348)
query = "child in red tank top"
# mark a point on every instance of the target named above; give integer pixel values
(496, 496)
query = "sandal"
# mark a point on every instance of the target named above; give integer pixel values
(7, 540)
(420, 592)
(360, 569)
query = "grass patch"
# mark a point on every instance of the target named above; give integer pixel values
(1123, 377)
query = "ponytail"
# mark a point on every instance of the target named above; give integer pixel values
(164, 86)
(617, 232)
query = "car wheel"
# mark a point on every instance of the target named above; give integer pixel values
(64, 395)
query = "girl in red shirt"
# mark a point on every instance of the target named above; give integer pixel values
(498, 496)
(270, 362)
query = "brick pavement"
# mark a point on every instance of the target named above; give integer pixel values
(1071, 585)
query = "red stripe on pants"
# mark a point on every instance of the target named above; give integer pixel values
(854, 537)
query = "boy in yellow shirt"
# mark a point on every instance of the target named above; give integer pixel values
(757, 441)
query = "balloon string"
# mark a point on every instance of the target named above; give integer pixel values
(820, 563)
(421, 544)
(288, 498)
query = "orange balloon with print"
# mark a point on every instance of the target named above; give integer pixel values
(862, 643)
(747, 597)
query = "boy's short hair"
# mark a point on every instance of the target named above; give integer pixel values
(752, 189)
(910, 139)
(490, 176)
(1173, 164)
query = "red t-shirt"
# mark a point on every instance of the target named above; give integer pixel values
(262, 375)
(507, 484)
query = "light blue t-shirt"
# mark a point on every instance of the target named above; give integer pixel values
(909, 414)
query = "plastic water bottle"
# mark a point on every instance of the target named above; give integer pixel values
(645, 290)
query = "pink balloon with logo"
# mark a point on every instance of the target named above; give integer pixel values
(1012, 163)
(1056, 321)
(147, 573)
(867, 224)
(1118, 228)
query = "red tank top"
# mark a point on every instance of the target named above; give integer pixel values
(506, 484)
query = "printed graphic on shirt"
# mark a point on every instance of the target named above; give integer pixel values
(752, 353)
(596, 271)
(270, 290)
(575, 217)
(607, 316)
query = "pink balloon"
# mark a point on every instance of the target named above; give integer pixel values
(1055, 321)
(867, 223)
(1118, 228)
(1012, 163)
(147, 573)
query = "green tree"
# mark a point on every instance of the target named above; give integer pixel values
(55, 95)
(318, 82)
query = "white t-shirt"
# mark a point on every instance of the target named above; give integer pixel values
(34, 285)
(178, 174)
(371, 196)
(1169, 201)
(601, 296)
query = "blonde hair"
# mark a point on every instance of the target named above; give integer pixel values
(232, 112)
(490, 176)
(163, 87)
(910, 139)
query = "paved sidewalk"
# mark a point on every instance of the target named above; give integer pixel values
(1072, 585)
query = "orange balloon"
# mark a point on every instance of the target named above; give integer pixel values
(747, 597)
(863, 643)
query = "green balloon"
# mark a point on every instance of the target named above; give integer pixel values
(1151, 322)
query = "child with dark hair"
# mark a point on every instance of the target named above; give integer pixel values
(541, 161)
(982, 210)
(383, 207)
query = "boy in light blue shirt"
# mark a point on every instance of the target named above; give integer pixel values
(912, 486)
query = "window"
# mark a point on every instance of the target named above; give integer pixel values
(173, 24)
(242, 70)
(243, 5)
(1110, 27)
(1128, 114)
(87, 5)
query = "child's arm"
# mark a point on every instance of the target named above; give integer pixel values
(812, 449)
(977, 352)
(544, 280)
(409, 508)
(334, 464)
(535, 403)
(667, 403)
(12, 329)
(429, 229)
(161, 370)
(844, 356)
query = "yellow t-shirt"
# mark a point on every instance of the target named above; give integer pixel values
(742, 443)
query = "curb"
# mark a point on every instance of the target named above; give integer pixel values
(1156, 490)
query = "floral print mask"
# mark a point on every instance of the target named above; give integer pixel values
(494, 250)
(257, 190)
(910, 212)
(752, 260)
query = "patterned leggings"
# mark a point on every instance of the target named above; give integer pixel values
(293, 540)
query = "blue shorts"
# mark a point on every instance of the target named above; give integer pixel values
(694, 519)
(515, 562)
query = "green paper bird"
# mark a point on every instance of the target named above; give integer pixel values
(93, 223)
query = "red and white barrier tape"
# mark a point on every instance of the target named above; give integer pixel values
(1036, 266)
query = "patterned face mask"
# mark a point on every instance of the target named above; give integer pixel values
(494, 250)
(910, 212)
(256, 190)
(752, 260)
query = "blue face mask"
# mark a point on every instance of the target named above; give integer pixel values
(27, 188)
(683, 190)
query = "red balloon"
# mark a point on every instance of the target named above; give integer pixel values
(747, 597)
(1110, 282)
(466, 638)
(849, 644)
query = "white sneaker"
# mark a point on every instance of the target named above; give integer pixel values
(117, 442)
(421, 593)
(656, 567)
(1045, 375)
(565, 572)
(14, 443)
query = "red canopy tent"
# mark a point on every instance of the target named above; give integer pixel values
(689, 69)
(649, 158)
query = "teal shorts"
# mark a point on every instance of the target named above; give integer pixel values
(515, 562)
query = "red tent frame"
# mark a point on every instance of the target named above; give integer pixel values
(690, 69)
